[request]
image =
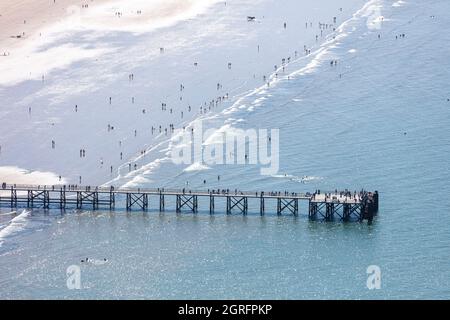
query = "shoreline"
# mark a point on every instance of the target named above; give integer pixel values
(59, 107)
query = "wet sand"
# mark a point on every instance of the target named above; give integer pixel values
(24, 18)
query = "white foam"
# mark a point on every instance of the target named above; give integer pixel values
(23, 176)
(154, 14)
(398, 3)
(217, 137)
(373, 14)
(294, 178)
(196, 167)
(97, 262)
(8, 213)
(15, 226)
(31, 63)
(136, 182)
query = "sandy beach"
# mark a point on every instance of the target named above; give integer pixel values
(90, 105)
(22, 20)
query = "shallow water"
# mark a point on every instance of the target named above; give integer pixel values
(383, 125)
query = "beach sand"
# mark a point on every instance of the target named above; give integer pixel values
(72, 85)
(22, 20)
(25, 18)
(14, 175)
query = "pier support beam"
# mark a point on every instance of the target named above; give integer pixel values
(329, 212)
(112, 200)
(13, 198)
(355, 210)
(62, 198)
(290, 205)
(211, 204)
(162, 202)
(87, 197)
(317, 208)
(312, 209)
(40, 197)
(262, 208)
(239, 203)
(189, 201)
(139, 200)
(346, 211)
(375, 200)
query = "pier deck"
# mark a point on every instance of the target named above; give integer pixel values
(344, 205)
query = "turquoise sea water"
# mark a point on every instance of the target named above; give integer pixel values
(378, 120)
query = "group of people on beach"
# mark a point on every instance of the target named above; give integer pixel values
(206, 107)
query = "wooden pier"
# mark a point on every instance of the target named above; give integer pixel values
(343, 205)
